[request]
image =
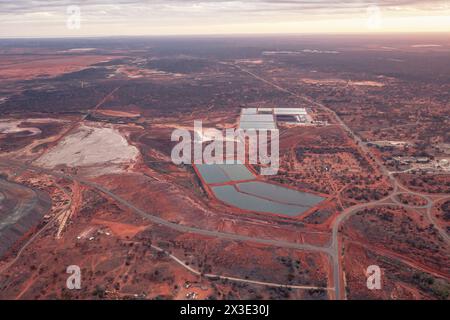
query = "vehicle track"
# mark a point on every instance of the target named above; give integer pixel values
(334, 246)
(216, 276)
(332, 250)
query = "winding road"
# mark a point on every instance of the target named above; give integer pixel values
(397, 187)
(332, 250)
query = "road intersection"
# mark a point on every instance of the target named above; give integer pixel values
(332, 250)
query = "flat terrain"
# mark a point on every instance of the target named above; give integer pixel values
(85, 149)
(89, 146)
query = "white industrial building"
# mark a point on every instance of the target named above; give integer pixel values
(290, 111)
(249, 111)
(251, 119)
(257, 118)
(267, 118)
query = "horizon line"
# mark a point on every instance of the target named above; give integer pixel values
(378, 33)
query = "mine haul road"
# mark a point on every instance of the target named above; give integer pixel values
(332, 250)
(397, 186)
(182, 228)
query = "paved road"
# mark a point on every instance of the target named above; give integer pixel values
(163, 222)
(346, 213)
(334, 246)
(332, 250)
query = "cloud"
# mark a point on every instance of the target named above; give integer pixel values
(165, 14)
(214, 6)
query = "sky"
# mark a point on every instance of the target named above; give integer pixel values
(66, 18)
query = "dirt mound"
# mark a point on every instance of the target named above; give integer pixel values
(90, 146)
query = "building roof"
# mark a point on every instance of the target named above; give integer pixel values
(257, 118)
(257, 125)
(249, 111)
(289, 111)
